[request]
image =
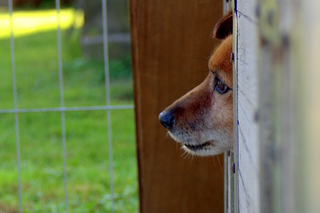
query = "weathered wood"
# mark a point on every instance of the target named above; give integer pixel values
(247, 153)
(171, 44)
(277, 77)
(289, 119)
(304, 63)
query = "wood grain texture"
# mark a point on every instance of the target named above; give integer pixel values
(283, 137)
(309, 112)
(300, 115)
(248, 101)
(171, 42)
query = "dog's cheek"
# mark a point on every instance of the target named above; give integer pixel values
(228, 117)
(222, 113)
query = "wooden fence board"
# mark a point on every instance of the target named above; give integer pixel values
(248, 101)
(171, 43)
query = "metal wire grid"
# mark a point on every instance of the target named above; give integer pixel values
(62, 109)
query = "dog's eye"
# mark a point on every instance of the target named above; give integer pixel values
(221, 87)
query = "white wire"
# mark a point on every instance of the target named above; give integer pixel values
(63, 128)
(66, 109)
(107, 84)
(15, 99)
(63, 109)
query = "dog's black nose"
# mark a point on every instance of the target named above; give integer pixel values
(166, 119)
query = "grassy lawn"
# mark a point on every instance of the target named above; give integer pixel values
(36, 61)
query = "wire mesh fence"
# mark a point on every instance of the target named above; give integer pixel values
(31, 117)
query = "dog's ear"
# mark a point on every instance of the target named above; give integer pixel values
(224, 27)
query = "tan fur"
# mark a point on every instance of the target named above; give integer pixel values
(202, 119)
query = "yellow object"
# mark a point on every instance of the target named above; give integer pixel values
(29, 22)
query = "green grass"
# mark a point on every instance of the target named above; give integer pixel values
(36, 61)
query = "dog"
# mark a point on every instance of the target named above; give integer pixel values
(202, 119)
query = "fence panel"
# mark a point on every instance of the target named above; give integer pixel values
(74, 140)
(247, 152)
(277, 121)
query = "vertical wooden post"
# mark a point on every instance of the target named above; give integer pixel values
(278, 100)
(247, 104)
(289, 115)
(171, 42)
(304, 51)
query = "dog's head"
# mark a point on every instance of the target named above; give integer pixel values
(202, 119)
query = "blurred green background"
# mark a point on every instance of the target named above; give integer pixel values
(36, 62)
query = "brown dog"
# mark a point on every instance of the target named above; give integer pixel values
(202, 119)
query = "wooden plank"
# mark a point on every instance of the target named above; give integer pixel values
(304, 69)
(171, 43)
(278, 130)
(248, 102)
(289, 119)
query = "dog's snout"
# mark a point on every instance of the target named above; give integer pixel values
(166, 118)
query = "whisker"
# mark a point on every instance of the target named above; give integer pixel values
(184, 153)
(219, 163)
(214, 162)
(192, 156)
(176, 146)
